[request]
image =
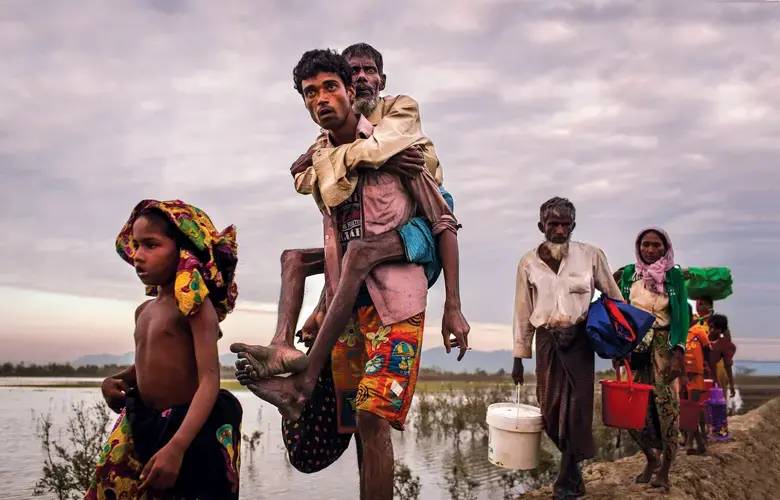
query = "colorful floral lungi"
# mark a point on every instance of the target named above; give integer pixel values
(661, 430)
(211, 465)
(375, 368)
(118, 469)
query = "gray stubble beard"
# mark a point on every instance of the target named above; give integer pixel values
(365, 106)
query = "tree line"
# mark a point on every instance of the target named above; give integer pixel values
(69, 370)
(57, 370)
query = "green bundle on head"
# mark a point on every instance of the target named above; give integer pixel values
(714, 283)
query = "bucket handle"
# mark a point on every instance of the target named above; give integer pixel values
(628, 375)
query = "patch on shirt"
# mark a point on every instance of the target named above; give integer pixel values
(349, 218)
(396, 388)
(402, 358)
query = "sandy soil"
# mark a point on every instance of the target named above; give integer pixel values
(747, 467)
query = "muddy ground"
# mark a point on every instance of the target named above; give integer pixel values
(747, 467)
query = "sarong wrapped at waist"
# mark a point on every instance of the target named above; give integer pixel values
(565, 388)
(209, 470)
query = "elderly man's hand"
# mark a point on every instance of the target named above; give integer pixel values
(518, 371)
(302, 163)
(408, 163)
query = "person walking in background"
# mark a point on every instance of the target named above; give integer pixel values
(721, 374)
(556, 282)
(657, 286)
(723, 351)
(705, 308)
(698, 354)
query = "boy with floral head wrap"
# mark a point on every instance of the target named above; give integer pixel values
(178, 433)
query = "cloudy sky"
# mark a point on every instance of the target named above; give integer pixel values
(640, 112)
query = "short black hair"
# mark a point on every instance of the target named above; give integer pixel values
(161, 220)
(719, 321)
(318, 61)
(365, 50)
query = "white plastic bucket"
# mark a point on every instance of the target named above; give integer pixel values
(515, 435)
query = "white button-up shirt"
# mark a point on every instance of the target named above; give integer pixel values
(546, 299)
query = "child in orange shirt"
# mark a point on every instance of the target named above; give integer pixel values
(697, 352)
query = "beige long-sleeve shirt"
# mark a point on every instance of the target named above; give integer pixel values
(655, 303)
(332, 178)
(398, 290)
(546, 299)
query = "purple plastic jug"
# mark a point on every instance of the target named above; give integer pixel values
(719, 429)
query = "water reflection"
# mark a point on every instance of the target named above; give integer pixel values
(457, 417)
(444, 447)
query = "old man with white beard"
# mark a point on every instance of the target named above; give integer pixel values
(555, 285)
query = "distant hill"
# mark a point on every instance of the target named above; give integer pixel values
(489, 361)
(437, 357)
(104, 359)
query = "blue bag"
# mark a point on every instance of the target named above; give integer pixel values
(615, 328)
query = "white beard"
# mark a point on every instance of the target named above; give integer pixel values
(365, 106)
(557, 250)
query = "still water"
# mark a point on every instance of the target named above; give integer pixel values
(265, 474)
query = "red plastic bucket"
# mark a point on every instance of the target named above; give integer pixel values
(690, 412)
(624, 404)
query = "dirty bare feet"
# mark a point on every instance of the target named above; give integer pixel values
(647, 474)
(662, 476)
(288, 394)
(274, 359)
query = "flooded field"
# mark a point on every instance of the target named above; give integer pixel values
(444, 447)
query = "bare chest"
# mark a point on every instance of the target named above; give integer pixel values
(160, 324)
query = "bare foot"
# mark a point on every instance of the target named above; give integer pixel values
(662, 476)
(288, 394)
(272, 360)
(647, 474)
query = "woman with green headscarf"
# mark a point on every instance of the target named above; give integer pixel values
(657, 286)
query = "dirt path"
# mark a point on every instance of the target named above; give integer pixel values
(747, 467)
